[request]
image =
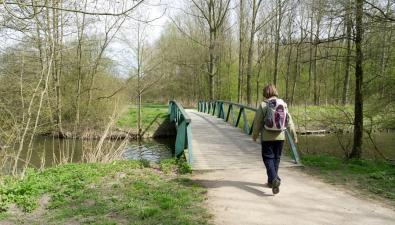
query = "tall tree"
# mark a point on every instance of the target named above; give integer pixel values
(348, 25)
(241, 52)
(255, 8)
(214, 13)
(358, 107)
(279, 16)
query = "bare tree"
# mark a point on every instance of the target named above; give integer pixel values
(213, 13)
(255, 8)
(241, 50)
(358, 108)
(348, 40)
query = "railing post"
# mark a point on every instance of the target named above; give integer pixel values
(246, 126)
(238, 117)
(228, 113)
(222, 110)
(220, 106)
(214, 107)
(219, 109)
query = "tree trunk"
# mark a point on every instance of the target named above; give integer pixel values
(315, 75)
(277, 42)
(255, 8)
(241, 55)
(79, 71)
(311, 51)
(57, 70)
(346, 83)
(358, 111)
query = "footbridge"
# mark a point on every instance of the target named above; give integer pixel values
(216, 136)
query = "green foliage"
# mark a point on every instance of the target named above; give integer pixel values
(323, 117)
(144, 163)
(168, 165)
(175, 165)
(184, 167)
(377, 177)
(107, 194)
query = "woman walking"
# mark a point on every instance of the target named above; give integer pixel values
(271, 121)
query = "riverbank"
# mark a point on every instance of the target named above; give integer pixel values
(155, 121)
(309, 120)
(121, 192)
(155, 124)
(375, 179)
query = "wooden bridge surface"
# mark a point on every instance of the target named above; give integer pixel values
(218, 145)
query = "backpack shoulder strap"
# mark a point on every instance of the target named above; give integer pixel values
(263, 105)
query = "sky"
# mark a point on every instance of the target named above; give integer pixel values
(157, 12)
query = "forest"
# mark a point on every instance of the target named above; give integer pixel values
(70, 67)
(88, 86)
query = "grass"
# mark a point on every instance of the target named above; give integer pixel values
(122, 192)
(150, 112)
(153, 116)
(372, 177)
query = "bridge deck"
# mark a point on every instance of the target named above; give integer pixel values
(218, 145)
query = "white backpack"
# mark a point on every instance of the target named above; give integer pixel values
(276, 115)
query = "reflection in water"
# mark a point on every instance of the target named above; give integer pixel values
(49, 151)
(151, 152)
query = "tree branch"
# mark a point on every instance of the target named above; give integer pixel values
(75, 10)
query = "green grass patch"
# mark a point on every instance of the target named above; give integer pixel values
(375, 177)
(175, 166)
(123, 192)
(153, 116)
(150, 113)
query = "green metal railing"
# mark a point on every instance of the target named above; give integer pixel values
(216, 108)
(184, 133)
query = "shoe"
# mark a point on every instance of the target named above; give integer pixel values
(276, 186)
(269, 185)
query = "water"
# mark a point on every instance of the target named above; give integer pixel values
(49, 151)
(332, 144)
(151, 150)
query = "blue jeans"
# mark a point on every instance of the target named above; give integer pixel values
(271, 154)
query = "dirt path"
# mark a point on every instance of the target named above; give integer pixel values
(240, 197)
